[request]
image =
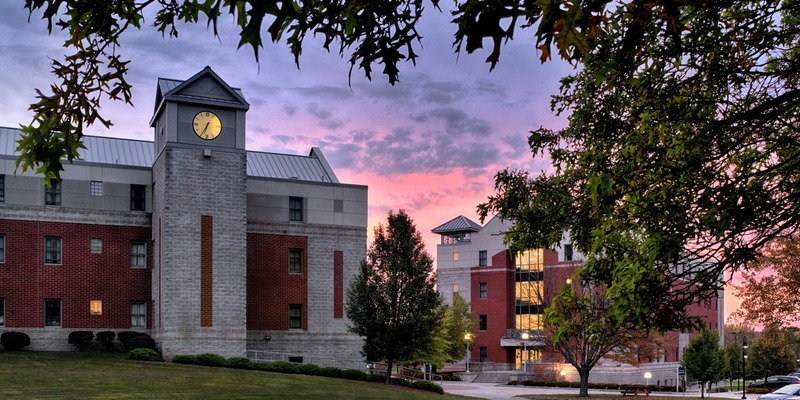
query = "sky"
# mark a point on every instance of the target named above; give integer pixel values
(430, 144)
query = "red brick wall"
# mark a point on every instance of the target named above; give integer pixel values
(338, 284)
(25, 281)
(270, 287)
(206, 270)
(498, 307)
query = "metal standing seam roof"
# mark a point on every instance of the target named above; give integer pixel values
(139, 153)
(167, 85)
(457, 224)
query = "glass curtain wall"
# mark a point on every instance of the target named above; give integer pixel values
(529, 300)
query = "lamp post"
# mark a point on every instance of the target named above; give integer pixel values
(744, 358)
(468, 338)
(735, 341)
(647, 376)
(525, 336)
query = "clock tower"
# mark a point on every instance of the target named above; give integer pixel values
(199, 217)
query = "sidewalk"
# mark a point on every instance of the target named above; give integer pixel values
(492, 391)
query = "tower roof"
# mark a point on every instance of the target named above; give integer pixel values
(459, 224)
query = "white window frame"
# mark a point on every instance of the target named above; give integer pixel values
(293, 253)
(48, 250)
(138, 259)
(138, 314)
(96, 188)
(96, 246)
(295, 318)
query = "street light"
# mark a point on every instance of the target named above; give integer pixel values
(736, 341)
(744, 357)
(468, 338)
(523, 357)
(647, 376)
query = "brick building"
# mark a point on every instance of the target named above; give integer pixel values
(190, 238)
(507, 292)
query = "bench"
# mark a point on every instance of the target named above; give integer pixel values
(635, 391)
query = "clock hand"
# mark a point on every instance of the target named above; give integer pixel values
(204, 129)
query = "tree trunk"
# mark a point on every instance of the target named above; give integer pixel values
(584, 375)
(389, 370)
(702, 389)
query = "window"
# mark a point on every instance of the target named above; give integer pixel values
(295, 261)
(455, 256)
(482, 259)
(295, 208)
(295, 316)
(2, 249)
(482, 290)
(52, 194)
(138, 255)
(2, 188)
(568, 252)
(138, 193)
(2, 312)
(483, 354)
(96, 188)
(455, 288)
(52, 313)
(483, 322)
(96, 307)
(138, 315)
(52, 250)
(96, 246)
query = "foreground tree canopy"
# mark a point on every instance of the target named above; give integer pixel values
(681, 157)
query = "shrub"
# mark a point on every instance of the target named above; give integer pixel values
(106, 339)
(400, 382)
(427, 385)
(185, 359)
(142, 341)
(81, 339)
(211, 360)
(376, 378)
(354, 375)
(143, 355)
(309, 369)
(279, 366)
(125, 338)
(239, 363)
(14, 340)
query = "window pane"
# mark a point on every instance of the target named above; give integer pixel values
(568, 252)
(2, 188)
(52, 250)
(295, 208)
(52, 194)
(2, 312)
(138, 255)
(2, 249)
(295, 316)
(96, 307)
(52, 313)
(295, 261)
(138, 315)
(482, 258)
(483, 322)
(482, 290)
(138, 193)
(96, 188)
(96, 246)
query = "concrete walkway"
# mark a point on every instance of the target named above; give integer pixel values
(493, 391)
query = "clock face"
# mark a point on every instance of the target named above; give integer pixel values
(207, 125)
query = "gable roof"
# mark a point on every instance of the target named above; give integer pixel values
(216, 93)
(457, 225)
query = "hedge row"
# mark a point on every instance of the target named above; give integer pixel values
(214, 360)
(129, 340)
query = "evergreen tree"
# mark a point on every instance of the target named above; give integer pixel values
(393, 302)
(704, 360)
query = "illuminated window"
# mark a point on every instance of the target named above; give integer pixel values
(295, 261)
(295, 316)
(138, 315)
(295, 209)
(52, 194)
(96, 188)
(138, 255)
(96, 246)
(52, 313)
(455, 256)
(52, 250)
(482, 258)
(96, 307)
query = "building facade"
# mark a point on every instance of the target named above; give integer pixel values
(508, 292)
(191, 238)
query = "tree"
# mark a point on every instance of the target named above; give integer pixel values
(448, 344)
(393, 302)
(704, 360)
(680, 158)
(768, 293)
(732, 353)
(772, 353)
(371, 33)
(582, 330)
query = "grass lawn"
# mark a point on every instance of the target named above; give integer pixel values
(605, 396)
(93, 375)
